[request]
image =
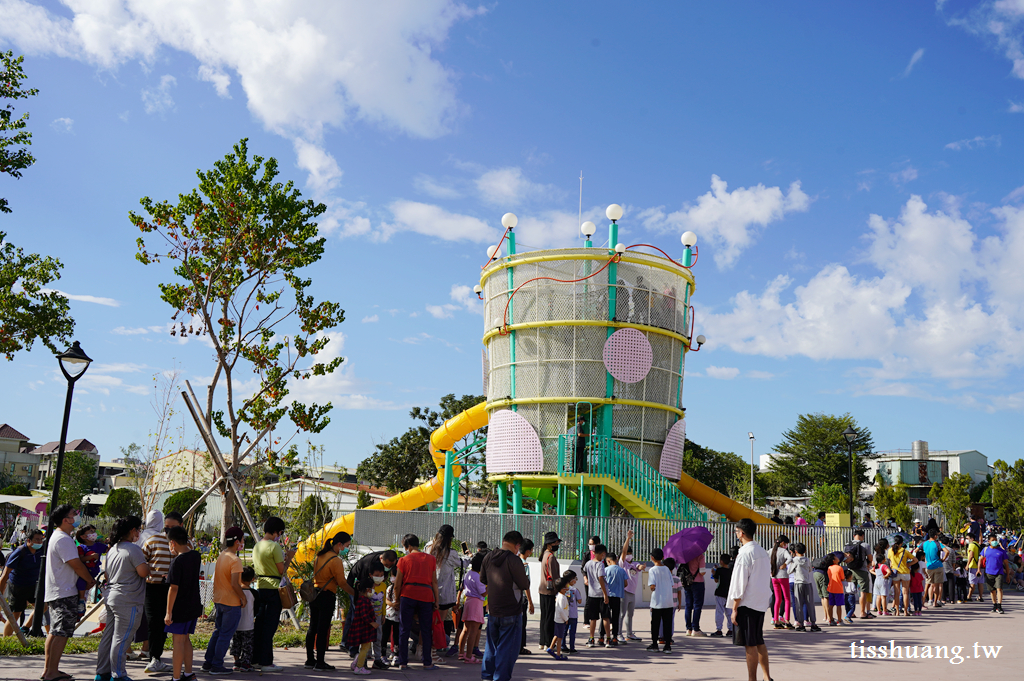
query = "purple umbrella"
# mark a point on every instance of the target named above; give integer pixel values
(687, 544)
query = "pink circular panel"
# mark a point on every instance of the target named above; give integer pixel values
(628, 355)
(671, 464)
(512, 444)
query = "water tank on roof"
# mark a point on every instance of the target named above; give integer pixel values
(919, 450)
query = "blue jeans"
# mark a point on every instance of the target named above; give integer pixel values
(504, 640)
(408, 608)
(223, 629)
(694, 604)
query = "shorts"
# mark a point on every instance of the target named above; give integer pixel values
(821, 584)
(837, 599)
(994, 581)
(935, 575)
(560, 628)
(181, 628)
(863, 581)
(900, 577)
(22, 597)
(749, 629)
(975, 576)
(64, 616)
(594, 610)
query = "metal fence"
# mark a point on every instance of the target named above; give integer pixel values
(386, 528)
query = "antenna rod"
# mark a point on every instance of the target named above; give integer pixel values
(581, 200)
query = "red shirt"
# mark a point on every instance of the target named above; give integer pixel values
(917, 583)
(417, 573)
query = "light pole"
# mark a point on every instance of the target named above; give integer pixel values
(73, 364)
(751, 436)
(851, 436)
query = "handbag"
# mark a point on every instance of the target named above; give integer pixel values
(308, 591)
(439, 635)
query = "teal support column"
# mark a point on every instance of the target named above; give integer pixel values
(581, 499)
(512, 334)
(559, 500)
(447, 503)
(606, 506)
(613, 274)
(517, 496)
(502, 498)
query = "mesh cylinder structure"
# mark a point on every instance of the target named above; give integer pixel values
(580, 318)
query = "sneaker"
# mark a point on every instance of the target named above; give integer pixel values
(189, 677)
(81, 607)
(476, 653)
(698, 632)
(590, 643)
(729, 633)
(847, 620)
(788, 625)
(525, 651)
(242, 668)
(610, 644)
(377, 664)
(653, 647)
(815, 627)
(999, 609)
(271, 668)
(309, 664)
(717, 634)
(631, 637)
(800, 628)
(102, 677)
(667, 648)
(157, 666)
(222, 671)
(323, 666)
(454, 650)
(207, 666)
(362, 670)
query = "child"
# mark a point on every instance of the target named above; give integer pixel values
(561, 619)
(391, 623)
(917, 588)
(596, 609)
(677, 593)
(473, 594)
(525, 551)
(660, 582)
(183, 603)
(722, 574)
(615, 579)
(851, 593)
(241, 644)
(836, 592)
(89, 551)
(961, 581)
(363, 629)
(800, 576)
(379, 589)
(575, 600)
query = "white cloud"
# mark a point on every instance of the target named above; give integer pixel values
(159, 99)
(220, 80)
(999, 23)
(62, 124)
(444, 311)
(425, 184)
(324, 173)
(945, 306)
(371, 319)
(341, 388)
(760, 375)
(729, 220)
(462, 298)
(903, 176)
(100, 378)
(430, 220)
(109, 302)
(509, 187)
(1016, 107)
(724, 373)
(1016, 195)
(975, 143)
(914, 58)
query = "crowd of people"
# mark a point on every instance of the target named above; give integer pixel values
(441, 599)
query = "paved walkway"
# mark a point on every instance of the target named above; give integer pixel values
(794, 655)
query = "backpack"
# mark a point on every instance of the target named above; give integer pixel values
(307, 591)
(856, 555)
(686, 577)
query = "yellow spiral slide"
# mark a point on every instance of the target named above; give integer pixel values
(444, 438)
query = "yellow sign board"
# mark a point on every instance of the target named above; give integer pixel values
(837, 519)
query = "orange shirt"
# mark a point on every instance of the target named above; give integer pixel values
(335, 569)
(835, 579)
(227, 565)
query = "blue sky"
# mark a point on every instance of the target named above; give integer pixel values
(853, 174)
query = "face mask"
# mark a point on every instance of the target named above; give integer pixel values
(629, 557)
(343, 552)
(37, 546)
(591, 546)
(378, 580)
(90, 537)
(77, 521)
(993, 543)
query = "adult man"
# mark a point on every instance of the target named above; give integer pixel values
(749, 592)
(505, 578)
(997, 566)
(775, 517)
(63, 568)
(158, 554)
(858, 560)
(935, 575)
(974, 576)
(868, 522)
(22, 569)
(364, 568)
(228, 598)
(820, 522)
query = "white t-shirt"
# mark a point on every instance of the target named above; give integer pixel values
(594, 569)
(61, 580)
(661, 577)
(562, 608)
(247, 622)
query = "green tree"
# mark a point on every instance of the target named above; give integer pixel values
(889, 498)
(77, 478)
(9, 512)
(815, 454)
(122, 502)
(239, 244)
(981, 490)
(182, 500)
(402, 462)
(312, 515)
(14, 154)
(953, 497)
(830, 498)
(1008, 492)
(363, 499)
(724, 472)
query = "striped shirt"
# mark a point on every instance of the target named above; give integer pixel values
(158, 554)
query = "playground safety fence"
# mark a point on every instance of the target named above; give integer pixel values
(386, 528)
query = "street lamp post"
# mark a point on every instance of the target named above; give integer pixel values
(73, 364)
(851, 436)
(751, 436)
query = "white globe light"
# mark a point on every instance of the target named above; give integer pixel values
(588, 228)
(491, 250)
(477, 289)
(689, 239)
(509, 220)
(613, 212)
(620, 248)
(701, 340)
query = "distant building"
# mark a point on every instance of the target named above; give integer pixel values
(921, 468)
(48, 456)
(17, 461)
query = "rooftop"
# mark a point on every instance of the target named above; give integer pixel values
(10, 433)
(79, 445)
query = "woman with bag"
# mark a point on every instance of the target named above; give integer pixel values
(550, 574)
(270, 561)
(328, 576)
(447, 561)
